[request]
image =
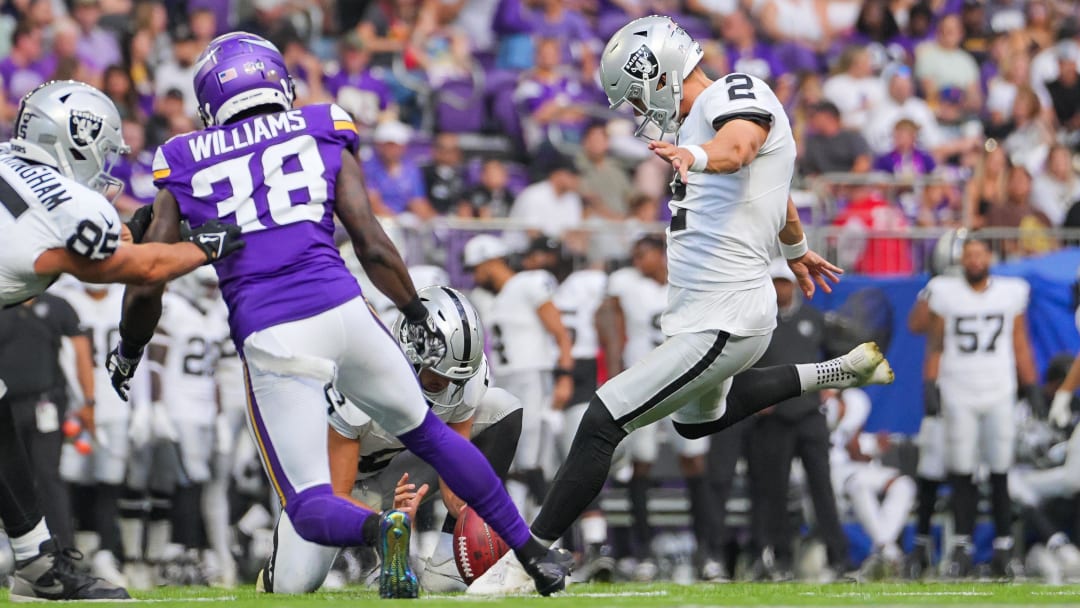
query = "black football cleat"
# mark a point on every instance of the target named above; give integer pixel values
(550, 571)
(53, 576)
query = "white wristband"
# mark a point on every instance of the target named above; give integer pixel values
(701, 159)
(796, 251)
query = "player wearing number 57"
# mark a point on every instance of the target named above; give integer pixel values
(297, 315)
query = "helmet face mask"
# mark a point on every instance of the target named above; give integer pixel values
(643, 65)
(75, 129)
(460, 325)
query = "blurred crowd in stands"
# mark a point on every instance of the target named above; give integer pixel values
(944, 113)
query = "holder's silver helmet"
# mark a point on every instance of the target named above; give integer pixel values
(460, 324)
(74, 128)
(644, 64)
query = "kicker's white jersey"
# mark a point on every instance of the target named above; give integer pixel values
(40, 209)
(978, 359)
(519, 341)
(849, 414)
(99, 319)
(578, 298)
(193, 339)
(724, 228)
(378, 447)
(642, 301)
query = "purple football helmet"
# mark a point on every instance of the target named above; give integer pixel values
(237, 72)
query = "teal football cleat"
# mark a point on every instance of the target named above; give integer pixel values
(396, 578)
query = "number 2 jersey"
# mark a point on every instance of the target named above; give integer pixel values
(274, 175)
(978, 358)
(40, 209)
(724, 227)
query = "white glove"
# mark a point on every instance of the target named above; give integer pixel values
(224, 442)
(1060, 409)
(139, 428)
(554, 421)
(164, 429)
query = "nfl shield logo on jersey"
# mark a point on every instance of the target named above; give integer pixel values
(85, 127)
(642, 64)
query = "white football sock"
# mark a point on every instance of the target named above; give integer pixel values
(158, 535)
(28, 545)
(828, 374)
(215, 508)
(865, 504)
(131, 538)
(895, 508)
(594, 529)
(444, 548)
(519, 495)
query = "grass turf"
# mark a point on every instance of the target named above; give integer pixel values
(659, 596)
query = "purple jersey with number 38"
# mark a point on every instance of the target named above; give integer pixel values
(274, 175)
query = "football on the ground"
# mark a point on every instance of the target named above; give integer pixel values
(476, 546)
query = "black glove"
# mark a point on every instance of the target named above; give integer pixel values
(217, 239)
(121, 368)
(1035, 400)
(424, 344)
(931, 399)
(140, 221)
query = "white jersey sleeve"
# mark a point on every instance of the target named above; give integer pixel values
(621, 283)
(40, 209)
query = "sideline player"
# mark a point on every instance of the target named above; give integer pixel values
(532, 355)
(297, 315)
(368, 463)
(55, 219)
(977, 348)
(731, 210)
(636, 299)
(880, 496)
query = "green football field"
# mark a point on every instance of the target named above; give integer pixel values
(661, 596)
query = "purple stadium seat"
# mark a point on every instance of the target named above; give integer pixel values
(459, 107)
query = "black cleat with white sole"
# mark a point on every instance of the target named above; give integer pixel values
(550, 571)
(53, 576)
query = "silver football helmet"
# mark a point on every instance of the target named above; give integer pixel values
(74, 128)
(644, 64)
(460, 324)
(945, 259)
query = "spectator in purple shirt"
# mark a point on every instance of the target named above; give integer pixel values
(135, 170)
(744, 52)
(98, 49)
(547, 97)
(555, 21)
(394, 182)
(877, 30)
(905, 161)
(26, 67)
(356, 87)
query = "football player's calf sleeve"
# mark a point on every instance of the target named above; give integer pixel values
(18, 500)
(188, 529)
(582, 475)
(700, 518)
(641, 534)
(1001, 504)
(321, 517)
(465, 470)
(965, 503)
(497, 443)
(1040, 522)
(751, 391)
(927, 490)
(106, 514)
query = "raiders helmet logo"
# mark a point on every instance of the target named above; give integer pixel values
(84, 127)
(642, 64)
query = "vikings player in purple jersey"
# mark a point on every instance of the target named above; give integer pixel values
(296, 314)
